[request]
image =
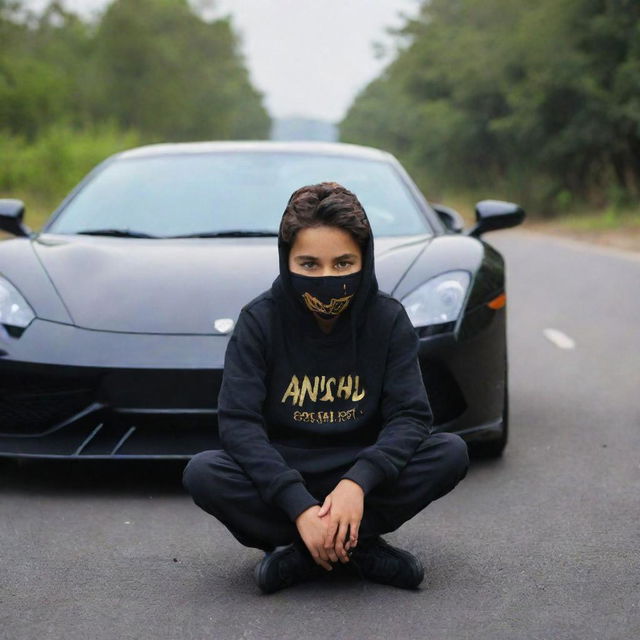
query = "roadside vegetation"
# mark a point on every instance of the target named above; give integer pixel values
(533, 102)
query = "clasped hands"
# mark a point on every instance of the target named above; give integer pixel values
(331, 530)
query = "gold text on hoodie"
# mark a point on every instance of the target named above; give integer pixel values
(323, 389)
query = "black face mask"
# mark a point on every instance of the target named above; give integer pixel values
(327, 296)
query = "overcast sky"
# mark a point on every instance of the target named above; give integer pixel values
(308, 57)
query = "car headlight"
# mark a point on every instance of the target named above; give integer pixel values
(438, 300)
(14, 309)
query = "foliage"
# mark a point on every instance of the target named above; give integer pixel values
(163, 70)
(540, 102)
(151, 65)
(48, 167)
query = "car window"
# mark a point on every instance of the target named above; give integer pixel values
(177, 194)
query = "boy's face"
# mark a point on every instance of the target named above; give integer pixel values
(324, 251)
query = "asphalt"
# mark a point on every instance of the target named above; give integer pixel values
(541, 544)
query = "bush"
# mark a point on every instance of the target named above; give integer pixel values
(42, 172)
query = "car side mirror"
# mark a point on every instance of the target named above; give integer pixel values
(11, 212)
(450, 218)
(496, 214)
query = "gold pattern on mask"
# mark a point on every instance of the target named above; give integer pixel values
(334, 308)
(346, 387)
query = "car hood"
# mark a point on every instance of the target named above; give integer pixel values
(178, 285)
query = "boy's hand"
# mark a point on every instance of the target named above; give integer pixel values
(313, 531)
(343, 508)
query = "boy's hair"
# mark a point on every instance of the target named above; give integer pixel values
(324, 204)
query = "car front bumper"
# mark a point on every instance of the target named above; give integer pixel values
(76, 393)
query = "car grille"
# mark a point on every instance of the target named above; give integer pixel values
(108, 413)
(69, 415)
(31, 403)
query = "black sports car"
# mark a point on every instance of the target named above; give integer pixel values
(115, 317)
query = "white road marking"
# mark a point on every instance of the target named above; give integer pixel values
(559, 339)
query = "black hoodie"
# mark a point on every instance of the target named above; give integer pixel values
(295, 399)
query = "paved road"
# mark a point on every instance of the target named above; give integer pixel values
(542, 544)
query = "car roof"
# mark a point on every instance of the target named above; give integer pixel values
(322, 148)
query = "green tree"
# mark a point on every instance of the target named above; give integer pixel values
(151, 65)
(163, 70)
(537, 100)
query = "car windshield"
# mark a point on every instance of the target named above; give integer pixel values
(229, 193)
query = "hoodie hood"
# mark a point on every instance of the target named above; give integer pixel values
(303, 323)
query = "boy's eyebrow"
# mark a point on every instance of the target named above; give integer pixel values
(342, 257)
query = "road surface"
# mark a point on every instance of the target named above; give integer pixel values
(542, 544)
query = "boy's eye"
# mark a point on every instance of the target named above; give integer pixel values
(309, 264)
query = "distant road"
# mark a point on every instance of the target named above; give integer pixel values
(542, 544)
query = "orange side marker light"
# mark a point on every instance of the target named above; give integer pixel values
(499, 302)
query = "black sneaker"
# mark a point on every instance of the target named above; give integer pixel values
(285, 566)
(376, 560)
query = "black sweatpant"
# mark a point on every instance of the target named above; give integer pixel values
(220, 487)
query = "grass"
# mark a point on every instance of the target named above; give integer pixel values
(581, 219)
(613, 227)
(41, 172)
(607, 220)
(37, 208)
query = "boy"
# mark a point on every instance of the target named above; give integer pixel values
(323, 416)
